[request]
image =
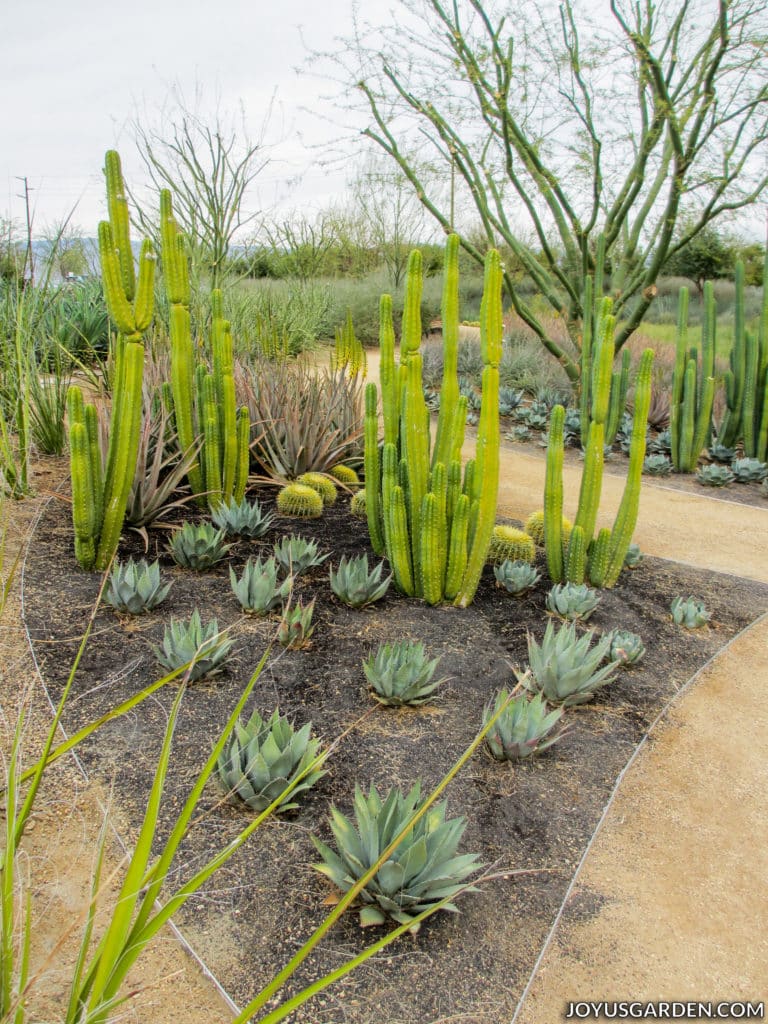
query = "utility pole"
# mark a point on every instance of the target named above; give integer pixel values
(29, 258)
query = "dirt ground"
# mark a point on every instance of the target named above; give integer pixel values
(617, 727)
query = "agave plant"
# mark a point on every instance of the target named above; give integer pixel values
(720, 453)
(244, 518)
(657, 465)
(192, 642)
(520, 433)
(633, 557)
(262, 758)
(296, 625)
(400, 673)
(572, 600)
(509, 400)
(258, 590)
(296, 554)
(626, 646)
(135, 587)
(524, 726)
(516, 577)
(423, 870)
(354, 585)
(198, 546)
(689, 612)
(747, 471)
(661, 444)
(565, 668)
(714, 475)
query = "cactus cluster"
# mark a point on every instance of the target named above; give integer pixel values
(348, 353)
(135, 587)
(100, 487)
(400, 673)
(693, 385)
(434, 522)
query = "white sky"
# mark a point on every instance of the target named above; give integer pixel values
(76, 72)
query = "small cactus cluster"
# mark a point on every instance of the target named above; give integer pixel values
(135, 587)
(524, 727)
(202, 647)
(572, 601)
(400, 673)
(689, 612)
(198, 546)
(242, 518)
(516, 577)
(715, 475)
(300, 501)
(353, 584)
(321, 483)
(508, 544)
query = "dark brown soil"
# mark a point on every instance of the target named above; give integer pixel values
(537, 817)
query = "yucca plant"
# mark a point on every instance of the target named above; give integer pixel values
(296, 626)
(626, 646)
(565, 667)
(296, 554)
(198, 546)
(353, 584)
(422, 870)
(204, 648)
(657, 465)
(523, 727)
(324, 486)
(257, 589)
(400, 673)
(262, 758)
(242, 518)
(135, 587)
(715, 475)
(749, 470)
(516, 577)
(299, 500)
(689, 612)
(572, 600)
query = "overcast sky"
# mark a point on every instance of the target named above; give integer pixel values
(76, 72)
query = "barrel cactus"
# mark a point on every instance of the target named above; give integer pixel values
(534, 526)
(508, 544)
(299, 500)
(345, 475)
(319, 482)
(357, 505)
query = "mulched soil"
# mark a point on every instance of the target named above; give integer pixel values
(536, 818)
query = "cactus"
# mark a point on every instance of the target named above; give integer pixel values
(516, 577)
(203, 397)
(434, 531)
(534, 527)
(355, 586)
(508, 544)
(348, 353)
(689, 612)
(135, 587)
(400, 673)
(345, 475)
(257, 589)
(100, 487)
(693, 385)
(299, 500)
(358, 506)
(319, 482)
(523, 728)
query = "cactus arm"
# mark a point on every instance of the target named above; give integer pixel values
(399, 551)
(439, 487)
(243, 453)
(453, 488)
(585, 398)
(372, 473)
(732, 422)
(678, 378)
(703, 421)
(390, 381)
(83, 503)
(211, 443)
(576, 562)
(182, 387)
(603, 368)
(96, 470)
(751, 361)
(761, 448)
(553, 496)
(688, 417)
(144, 306)
(619, 389)
(230, 439)
(449, 390)
(119, 219)
(431, 583)
(114, 295)
(457, 551)
(410, 338)
(598, 558)
(416, 452)
(591, 482)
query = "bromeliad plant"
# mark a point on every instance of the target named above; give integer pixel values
(524, 726)
(100, 488)
(353, 584)
(401, 673)
(565, 668)
(258, 590)
(135, 587)
(433, 524)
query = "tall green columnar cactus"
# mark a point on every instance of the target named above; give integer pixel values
(434, 532)
(204, 401)
(99, 492)
(693, 385)
(755, 407)
(730, 427)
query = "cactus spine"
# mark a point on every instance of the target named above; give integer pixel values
(99, 493)
(434, 531)
(693, 385)
(204, 400)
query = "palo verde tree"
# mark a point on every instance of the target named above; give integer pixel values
(619, 118)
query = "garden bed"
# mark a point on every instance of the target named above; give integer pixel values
(537, 817)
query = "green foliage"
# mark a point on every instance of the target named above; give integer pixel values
(325, 487)
(565, 668)
(508, 544)
(516, 577)
(572, 601)
(257, 589)
(296, 554)
(689, 612)
(705, 257)
(299, 500)
(191, 643)
(262, 758)
(242, 518)
(135, 587)
(715, 475)
(749, 470)
(353, 584)
(198, 546)
(626, 647)
(400, 673)
(423, 870)
(524, 726)
(296, 626)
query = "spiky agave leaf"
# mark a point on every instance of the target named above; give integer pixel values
(353, 584)
(198, 546)
(400, 673)
(295, 554)
(572, 600)
(192, 642)
(257, 589)
(135, 587)
(565, 668)
(523, 728)
(244, 518)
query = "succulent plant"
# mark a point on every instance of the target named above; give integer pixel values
(572, 427)
(345, 475)
(661, 444)
(509, 400)
(296, 554)
(633, 557)
(296, 625)
(572, 600)
(354, 585)
(749, 470)
(245, 518)
(523, 728)
(720, 453)
(689, 612)
(565, 668)
(357, 505)
(714, 475)
(400, 673)
(203, 646)
(510, 544)
(261, 758)
(657, 465)
(516, 577)
(534, 527)
(626, 646)
(299, 500)
(135, 587)
(520, 433)
(535, 418)
(258, 590)
(421, 871)
(198, 546)
(321, 483)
